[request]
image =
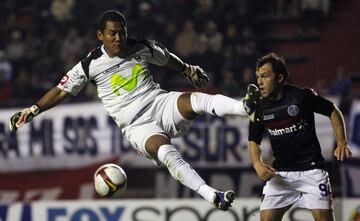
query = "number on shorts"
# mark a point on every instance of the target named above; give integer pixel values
(324, 192)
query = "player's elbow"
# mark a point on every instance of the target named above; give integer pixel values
(59, 93)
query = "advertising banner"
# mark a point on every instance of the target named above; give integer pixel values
(350, 209)
(246, 209)
(350, 182)
(354, 128)
(78, 184)
(77, 135)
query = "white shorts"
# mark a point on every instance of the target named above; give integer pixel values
(162, 118)
(307, 189)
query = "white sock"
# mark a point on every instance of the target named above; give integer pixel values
(207, 192)
(218, 105)
(183, 172)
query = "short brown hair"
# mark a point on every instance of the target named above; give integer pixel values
(278, 64)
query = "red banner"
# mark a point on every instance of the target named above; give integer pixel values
(49, 185)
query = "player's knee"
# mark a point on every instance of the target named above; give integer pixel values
(153, 144)
(171, 158)
(185, 107)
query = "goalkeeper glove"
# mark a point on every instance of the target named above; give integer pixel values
(22, 117)
(252, 102)
(196, 75)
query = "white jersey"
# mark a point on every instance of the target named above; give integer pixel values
(124, 85)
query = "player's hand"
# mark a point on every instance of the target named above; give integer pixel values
(196, 75)
(251, 102)
(342, 152)
(22, 117)
(265, 171)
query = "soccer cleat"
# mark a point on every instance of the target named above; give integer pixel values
(223, 200)
(252, 101)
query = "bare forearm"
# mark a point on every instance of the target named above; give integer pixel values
(255, 153)
(52, 98)
(338, 125)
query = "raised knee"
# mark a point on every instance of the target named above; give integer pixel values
(184, 105)
(153, 144)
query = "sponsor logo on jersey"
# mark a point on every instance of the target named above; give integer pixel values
(282, 131)
(293, 110)
(64, 79)
(112, 69)
(287, 130)
(301, 125)
(269, 117)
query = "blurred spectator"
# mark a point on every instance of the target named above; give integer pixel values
(5, 68)
(203, 13)
(248, 77)
(32, 47)
(212, 37)
(341, 87)
(16, 48)
(186, 41)
(222, 38)
(6, 75)
(342, 84)
(62, 10)
(145, 18)
(313, 14)
(71, 49)
(230, 87)
(209, 48)
(170, 35)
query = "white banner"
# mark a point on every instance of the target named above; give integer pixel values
(74, 135)
(81, 134)
(354, 128)
(350, 209)
(64, 137)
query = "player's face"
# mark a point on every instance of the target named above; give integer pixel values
(113, 37)
(269, 83)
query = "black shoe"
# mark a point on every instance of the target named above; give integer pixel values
(223, 200)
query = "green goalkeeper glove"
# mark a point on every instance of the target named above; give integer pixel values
(22, 117)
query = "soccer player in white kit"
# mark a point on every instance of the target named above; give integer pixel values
(147, 115)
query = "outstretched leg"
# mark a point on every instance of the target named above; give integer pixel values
(159, 147)
(190, 105)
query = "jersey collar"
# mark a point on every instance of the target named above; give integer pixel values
(104, 52)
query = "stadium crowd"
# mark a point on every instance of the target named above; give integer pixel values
(42, 39)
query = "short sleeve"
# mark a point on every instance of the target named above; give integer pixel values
(159, 54)
(318, 103)
(74, 80)
(256, 131)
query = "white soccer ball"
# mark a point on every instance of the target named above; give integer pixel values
(110, 180)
